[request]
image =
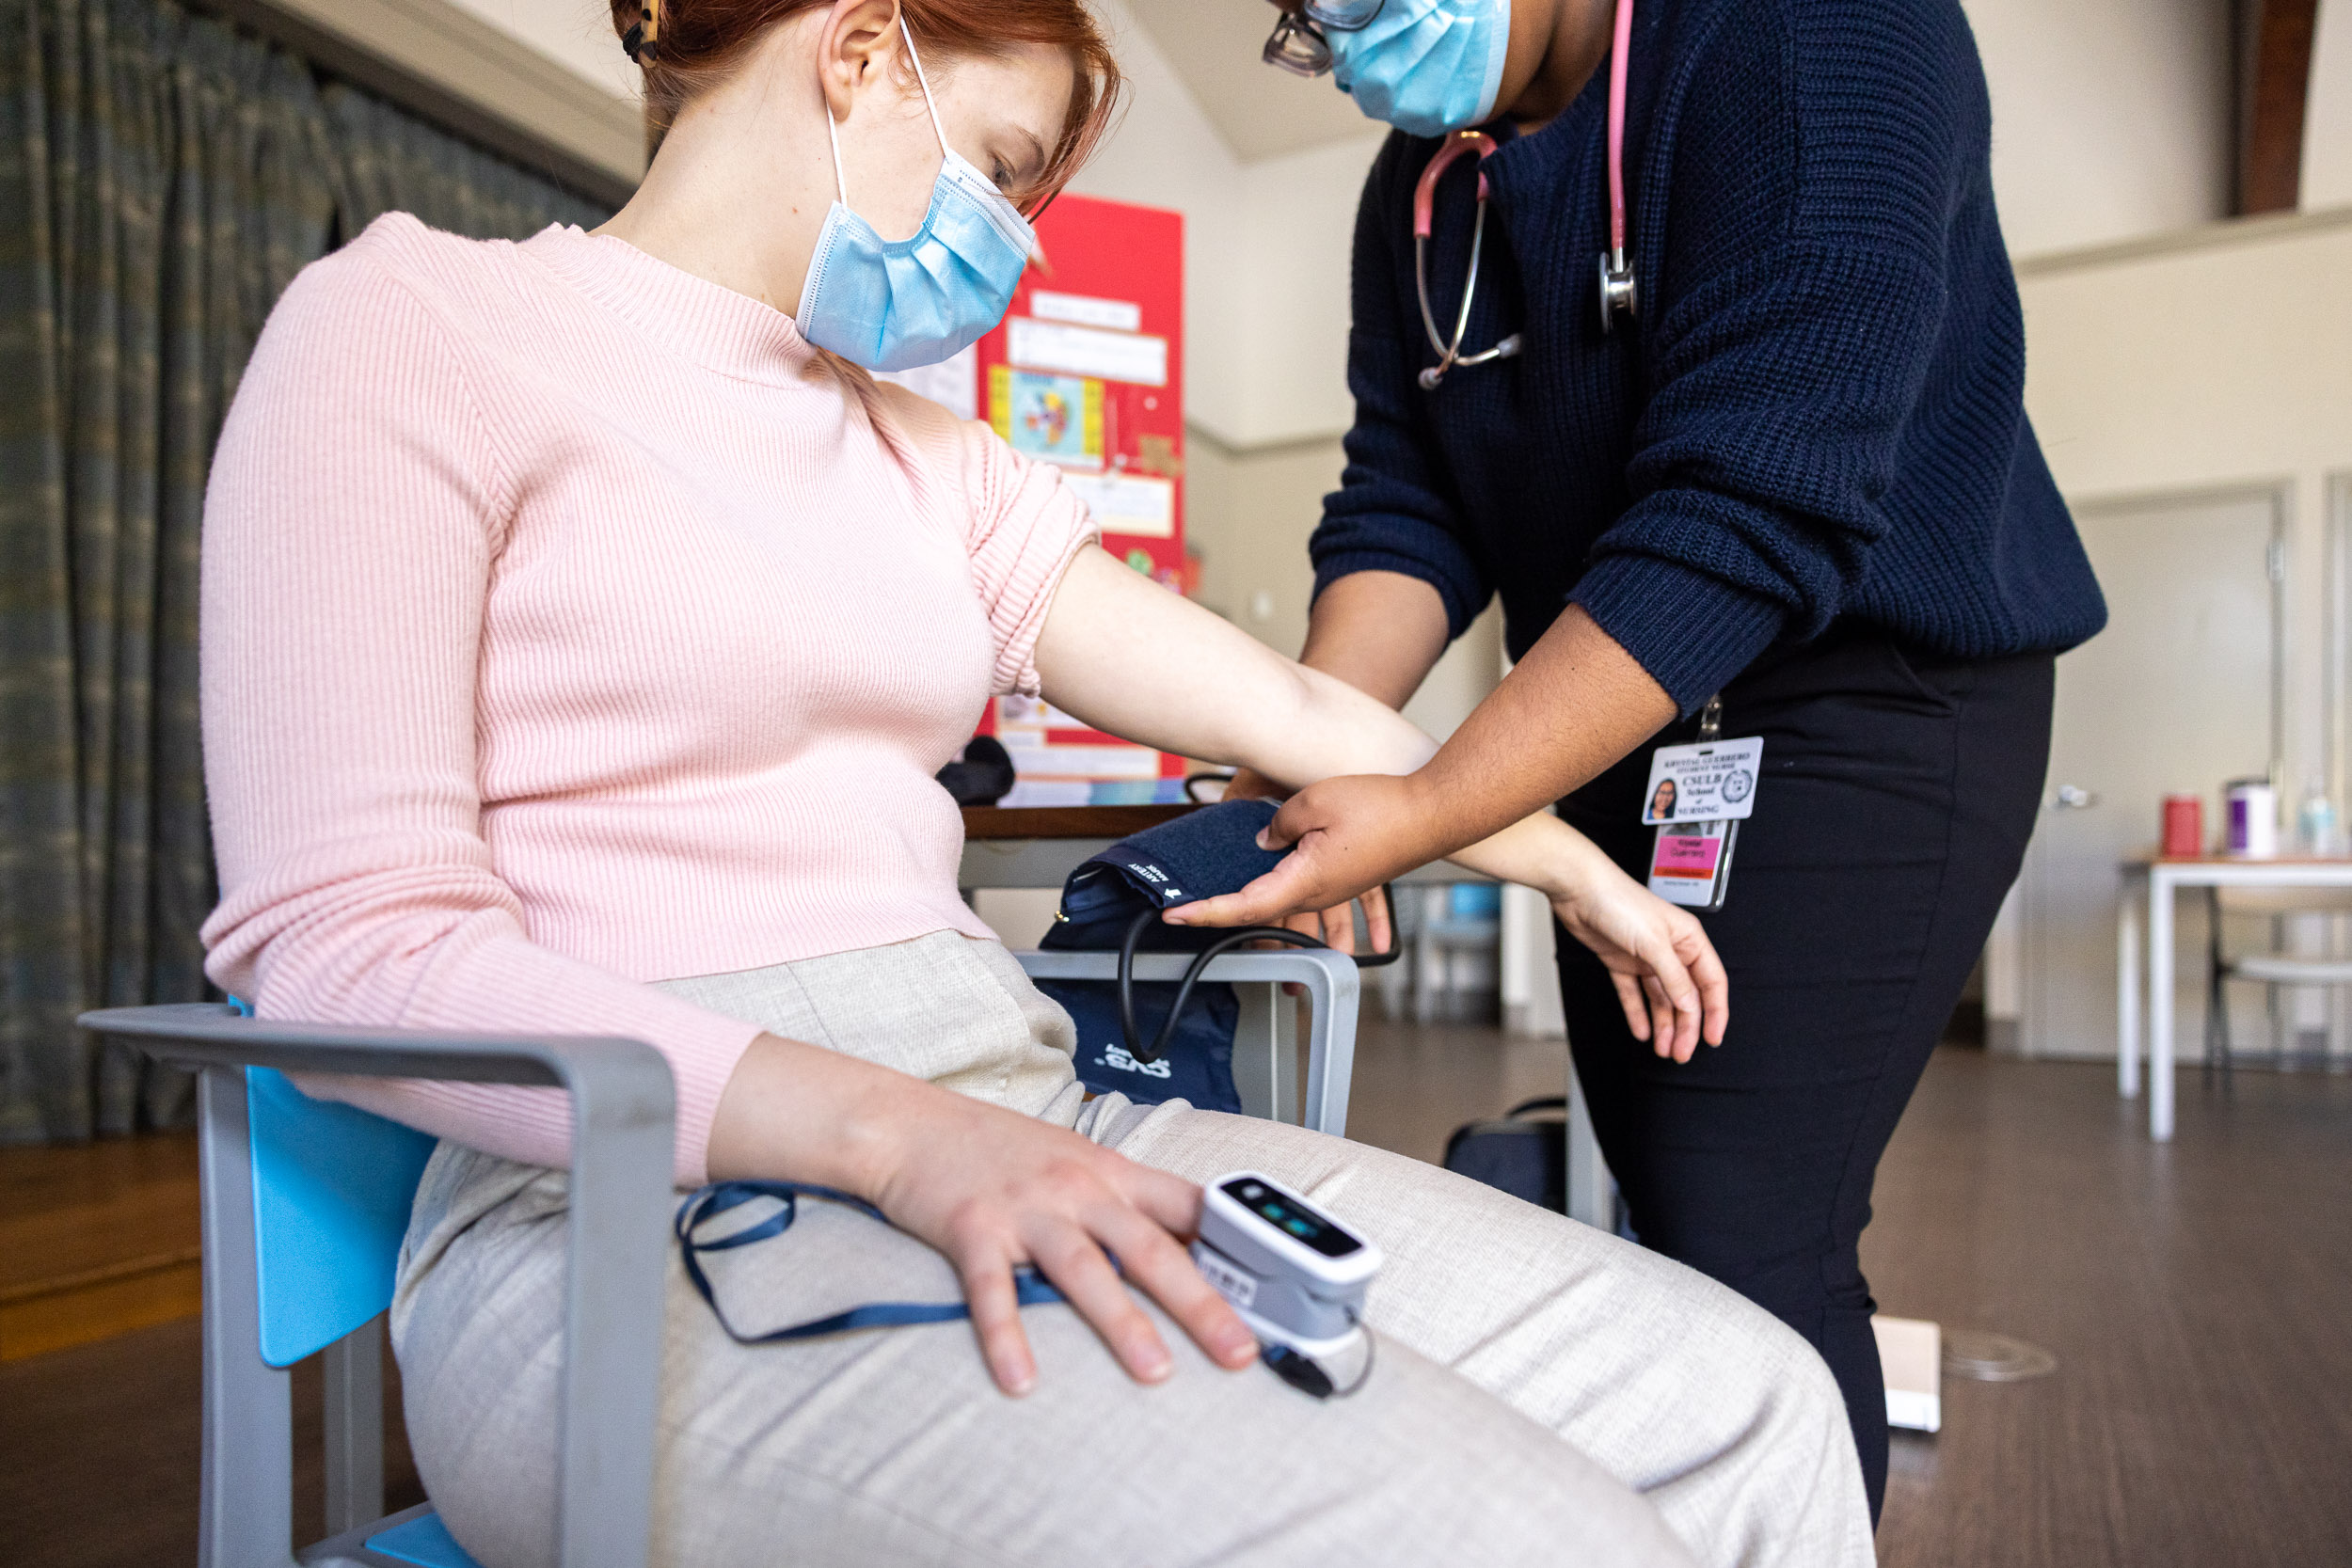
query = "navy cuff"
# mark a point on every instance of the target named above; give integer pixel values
(1690, 631)
(1460, 610)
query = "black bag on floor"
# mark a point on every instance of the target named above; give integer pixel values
(1522, 1155)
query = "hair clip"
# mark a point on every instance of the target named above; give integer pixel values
(643, 41)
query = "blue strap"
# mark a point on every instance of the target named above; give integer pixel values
(1029, 1288)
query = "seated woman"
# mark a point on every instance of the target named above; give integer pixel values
(579, 643)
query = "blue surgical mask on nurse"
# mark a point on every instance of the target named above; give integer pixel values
(1426, 66)
(892, 305)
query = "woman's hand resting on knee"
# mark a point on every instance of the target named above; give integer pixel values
(990, 1189)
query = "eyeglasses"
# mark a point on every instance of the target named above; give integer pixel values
(1297, 43)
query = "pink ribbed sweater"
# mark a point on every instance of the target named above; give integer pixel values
(567, 626)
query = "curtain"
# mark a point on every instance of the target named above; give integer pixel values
(161, 180)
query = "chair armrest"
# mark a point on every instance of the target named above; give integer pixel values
(210, 1034)
(624, 1116)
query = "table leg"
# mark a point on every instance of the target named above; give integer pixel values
(1591, 1192)
(2159, 1006)
(2127, 992)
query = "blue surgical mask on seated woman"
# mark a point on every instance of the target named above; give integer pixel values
(1426, 66)
(891, 305)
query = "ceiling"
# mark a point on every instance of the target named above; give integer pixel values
(1260, 111)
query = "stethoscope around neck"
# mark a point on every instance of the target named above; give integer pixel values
(1617, 288)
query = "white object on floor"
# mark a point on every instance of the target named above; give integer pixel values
(1912, 1355)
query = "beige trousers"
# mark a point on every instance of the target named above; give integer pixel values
(1544, 1393)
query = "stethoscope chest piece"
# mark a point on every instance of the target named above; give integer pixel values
(1618, 292)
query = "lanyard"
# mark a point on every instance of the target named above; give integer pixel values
(1029, 1288)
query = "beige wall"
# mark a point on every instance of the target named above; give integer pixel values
(2111, 118)
(2327, 124)
(1251, 513)
(575, 34)
(2223, 360)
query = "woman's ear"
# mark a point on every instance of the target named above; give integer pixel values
(860, 41)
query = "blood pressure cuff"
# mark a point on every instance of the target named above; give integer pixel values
(1199, 855)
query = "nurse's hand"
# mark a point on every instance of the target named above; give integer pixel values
(1334, 927)
(1347, 836)
(1360, 830)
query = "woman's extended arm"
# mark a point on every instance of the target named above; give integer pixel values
(1130, 658)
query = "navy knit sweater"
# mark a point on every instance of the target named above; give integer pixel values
(1818, 417)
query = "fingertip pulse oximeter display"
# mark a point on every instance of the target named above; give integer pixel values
(1290, 1216)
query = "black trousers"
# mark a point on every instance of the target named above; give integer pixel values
(1896, 793)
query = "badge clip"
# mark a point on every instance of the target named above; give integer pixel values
(1698, 796)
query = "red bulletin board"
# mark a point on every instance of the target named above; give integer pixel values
(1086, 371)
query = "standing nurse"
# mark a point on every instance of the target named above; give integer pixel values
(1705, 354)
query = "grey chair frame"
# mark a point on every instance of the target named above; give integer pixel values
(623, 1113)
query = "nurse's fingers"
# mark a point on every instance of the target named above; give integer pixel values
(1707, 968)
(1674, 996)
(1635, 1002)
(1377, 928)
(1666, 1024)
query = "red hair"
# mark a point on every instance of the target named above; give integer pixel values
(701, 43)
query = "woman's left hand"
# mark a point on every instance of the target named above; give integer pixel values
(1666, 971)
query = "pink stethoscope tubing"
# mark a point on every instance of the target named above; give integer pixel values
(1617, 291)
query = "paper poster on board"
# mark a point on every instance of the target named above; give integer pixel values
(1055, 417)
(1128, 503)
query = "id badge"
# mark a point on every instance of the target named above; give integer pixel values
(1698, 796)
(1691, 862)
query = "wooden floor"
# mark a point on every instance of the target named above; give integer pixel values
(98, 1448)
(96, 1239)
(2199, 1299)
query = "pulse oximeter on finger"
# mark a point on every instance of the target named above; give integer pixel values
(1296, 1276)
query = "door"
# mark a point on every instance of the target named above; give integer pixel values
(2180, 694)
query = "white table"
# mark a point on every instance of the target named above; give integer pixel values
(2164, 878)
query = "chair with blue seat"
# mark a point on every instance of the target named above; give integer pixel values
(306, 1202)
